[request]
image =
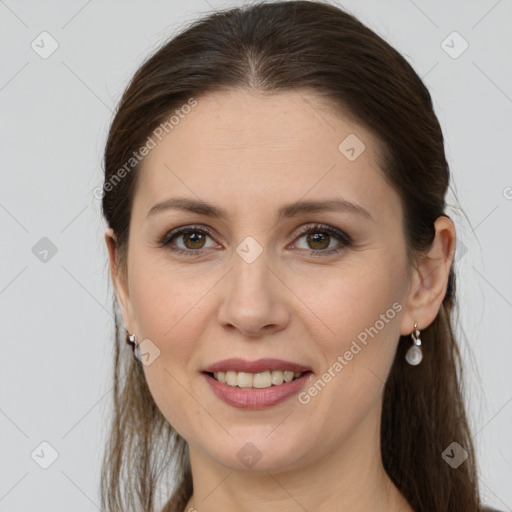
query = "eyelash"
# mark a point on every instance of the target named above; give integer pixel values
(344, 238)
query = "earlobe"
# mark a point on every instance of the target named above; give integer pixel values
(430, 278)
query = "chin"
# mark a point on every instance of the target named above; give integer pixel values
(255, 453)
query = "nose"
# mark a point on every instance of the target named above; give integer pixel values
(254, 299)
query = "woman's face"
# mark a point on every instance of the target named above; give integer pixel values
(254, 286)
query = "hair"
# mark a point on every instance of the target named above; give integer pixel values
(288, 46)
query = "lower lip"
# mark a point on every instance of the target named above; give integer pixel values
(253, 398)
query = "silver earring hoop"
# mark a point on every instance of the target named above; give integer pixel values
(414, 355)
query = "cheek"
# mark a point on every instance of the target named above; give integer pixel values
(360, 312)
(168, 300)
(360, 315)
(349, 300)
(169, 310)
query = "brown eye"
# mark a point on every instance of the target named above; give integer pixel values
(187, 240)
(318, 239)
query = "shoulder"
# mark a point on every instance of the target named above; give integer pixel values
(488, 509)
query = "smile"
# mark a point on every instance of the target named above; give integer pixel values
(252, 397)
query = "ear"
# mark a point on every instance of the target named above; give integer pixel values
(430, 279)
(121, 287)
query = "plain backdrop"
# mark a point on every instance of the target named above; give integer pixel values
(55, 301)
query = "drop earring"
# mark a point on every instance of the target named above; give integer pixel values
(132, 340)
(414, 355)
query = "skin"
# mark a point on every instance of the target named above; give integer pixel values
(249, 154)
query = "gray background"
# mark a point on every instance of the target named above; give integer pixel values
(55, 314)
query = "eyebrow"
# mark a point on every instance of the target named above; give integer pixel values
(288, 210)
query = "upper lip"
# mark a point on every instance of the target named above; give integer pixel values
(261, 365)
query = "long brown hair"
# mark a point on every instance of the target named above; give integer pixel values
(285, 46)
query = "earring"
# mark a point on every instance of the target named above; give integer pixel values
(414, 354)
(132, 340)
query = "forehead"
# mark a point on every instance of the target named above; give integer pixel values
(246, 150)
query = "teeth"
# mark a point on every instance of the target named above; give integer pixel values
(256, 380)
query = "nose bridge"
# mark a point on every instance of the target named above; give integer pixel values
(252, 253)
(252, 300)
(250, 282)
(251, 268)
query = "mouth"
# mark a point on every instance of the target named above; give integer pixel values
(257, 391)
(258, 384)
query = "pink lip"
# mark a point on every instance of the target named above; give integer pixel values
(261, 365)
(252, 398)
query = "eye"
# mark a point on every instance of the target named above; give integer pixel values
(318, 236)
(192, 237)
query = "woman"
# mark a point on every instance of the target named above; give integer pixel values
(275, 183)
